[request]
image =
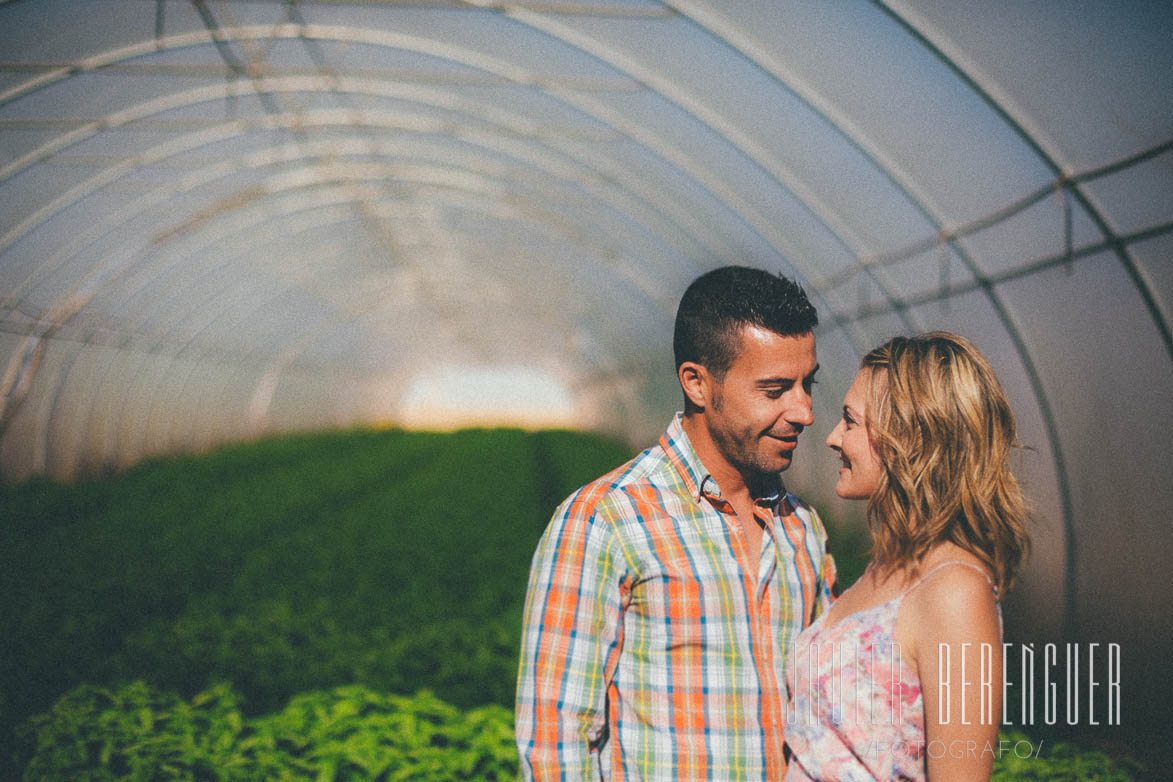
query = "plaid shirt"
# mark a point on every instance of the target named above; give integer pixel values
(649, 651)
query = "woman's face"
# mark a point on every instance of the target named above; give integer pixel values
(861, 471)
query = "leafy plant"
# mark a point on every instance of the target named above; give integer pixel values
(343, 735)
(136, 733)
(393, 559)
(1058, 762)
(386, 561)
(352, 734)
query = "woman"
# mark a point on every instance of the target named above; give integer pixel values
(902, 677)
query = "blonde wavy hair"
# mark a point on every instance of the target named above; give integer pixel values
(943, 430)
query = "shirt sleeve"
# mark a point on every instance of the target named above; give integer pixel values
(829, 583)
(828, 588)
(579, 586)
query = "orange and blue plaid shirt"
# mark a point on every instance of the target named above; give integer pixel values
(649, 650)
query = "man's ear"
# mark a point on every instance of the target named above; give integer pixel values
(696, 382)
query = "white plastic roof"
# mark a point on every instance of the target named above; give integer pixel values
(226, 218)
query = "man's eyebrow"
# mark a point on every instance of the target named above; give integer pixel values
(779, 381)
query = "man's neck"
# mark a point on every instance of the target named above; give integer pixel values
(734, 486)
(736, 489)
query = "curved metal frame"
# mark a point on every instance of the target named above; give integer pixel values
(757, 223)
(854, 137)
(760, 225)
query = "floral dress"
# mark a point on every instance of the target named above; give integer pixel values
(856, 711)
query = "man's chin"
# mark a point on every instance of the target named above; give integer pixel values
(767, 468)
(780, 461)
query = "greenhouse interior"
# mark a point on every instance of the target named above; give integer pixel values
(234, 224)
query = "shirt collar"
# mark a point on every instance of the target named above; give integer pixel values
(700, 481)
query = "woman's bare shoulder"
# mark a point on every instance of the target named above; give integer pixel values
(954, 601)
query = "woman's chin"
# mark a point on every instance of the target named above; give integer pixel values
(848, 493)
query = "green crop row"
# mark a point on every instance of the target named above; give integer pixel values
(346, 734)
(351, 734)
(390, 559)
(379, 561)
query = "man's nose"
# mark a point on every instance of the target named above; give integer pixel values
(801, 413)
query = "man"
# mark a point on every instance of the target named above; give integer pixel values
(664, 595)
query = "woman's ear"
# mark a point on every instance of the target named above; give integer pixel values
(696, 382)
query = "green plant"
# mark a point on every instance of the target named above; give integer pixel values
(348, 734)
(393, 559)
(135, 733)
(352, 733)
(1057, 762)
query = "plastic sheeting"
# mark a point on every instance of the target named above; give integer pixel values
(222, 219)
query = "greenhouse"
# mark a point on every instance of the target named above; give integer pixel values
(229, 221)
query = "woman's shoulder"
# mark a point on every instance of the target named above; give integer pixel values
(949, 565)
(954, 595)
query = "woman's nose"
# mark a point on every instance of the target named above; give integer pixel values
(835, 438)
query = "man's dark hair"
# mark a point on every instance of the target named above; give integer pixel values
(718, 304)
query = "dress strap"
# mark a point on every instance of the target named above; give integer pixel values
(969, 565)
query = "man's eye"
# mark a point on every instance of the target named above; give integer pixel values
(774, 393)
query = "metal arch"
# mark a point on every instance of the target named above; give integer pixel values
(486, 114)
(199, 359)
(211, 273)
(653, 145)
(112, 447)
(1022, 347)
(702, 235)
(1145, 290)
(914, 248)
(797, 194)
(289, 31)
(245, 224)
(746, 147)
(38, 446)
(856, 138)
(194, 179)
(850, 134)
(112, 450)
(226, 131)
(725, 199)
(53, 403)
(156, 389)
(523, 201)
(1071, 616)
(492, 65)
(1041, 264)
(221, 168)
(726, 196)
(331, 179)
(103, 459)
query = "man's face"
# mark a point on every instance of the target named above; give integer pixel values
(761, 405)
